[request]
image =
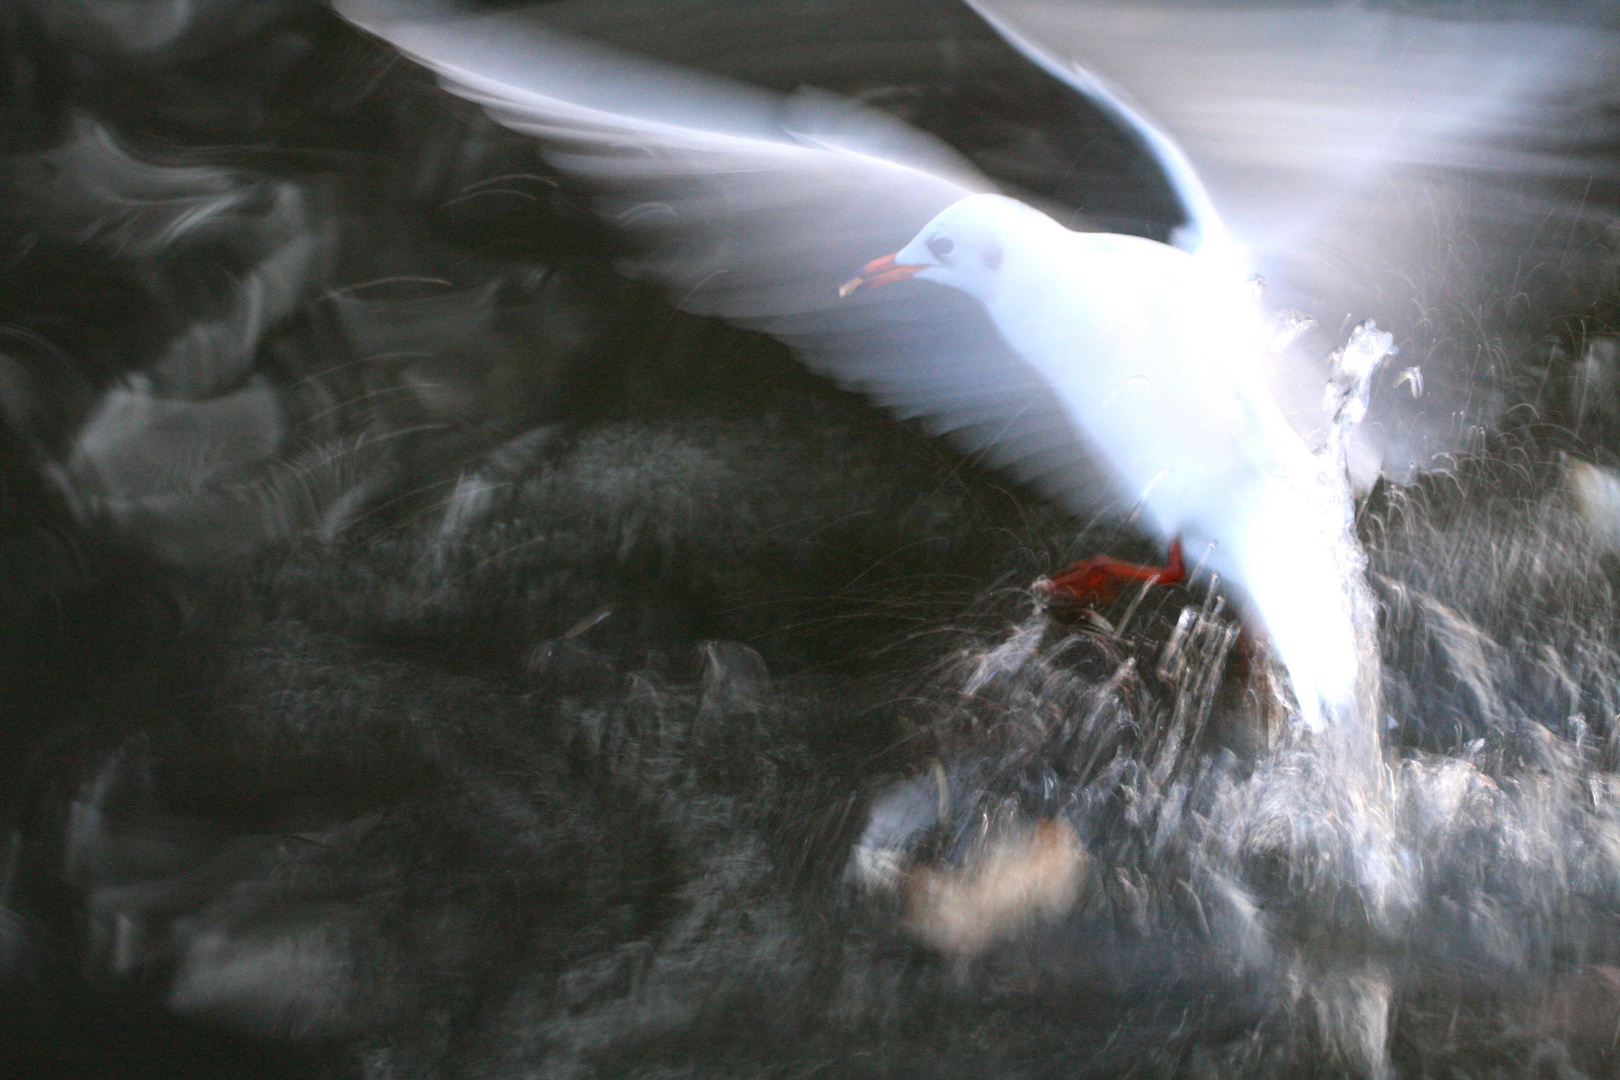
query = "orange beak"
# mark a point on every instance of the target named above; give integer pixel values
(880, 271)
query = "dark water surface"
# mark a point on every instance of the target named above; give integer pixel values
(429, 654)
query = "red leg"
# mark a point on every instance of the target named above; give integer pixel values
(1098, 580)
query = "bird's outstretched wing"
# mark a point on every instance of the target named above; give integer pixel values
(754, 206)
(1430, 171)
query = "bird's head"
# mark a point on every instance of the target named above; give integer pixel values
(964, 246)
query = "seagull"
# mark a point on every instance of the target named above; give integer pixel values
(1099, 367)
(1153, 353)
(1059, 354)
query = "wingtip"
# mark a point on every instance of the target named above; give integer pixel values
(374, 15)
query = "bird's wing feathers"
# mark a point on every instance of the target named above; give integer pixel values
(746, 203)
(1367, 161)
(755, 206)
(1203, 228)
(1294, 117)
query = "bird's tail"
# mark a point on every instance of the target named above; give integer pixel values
(1304, 579)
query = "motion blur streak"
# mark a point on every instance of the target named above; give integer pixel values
(432, 653)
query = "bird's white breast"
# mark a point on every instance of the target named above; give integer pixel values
(1156, 356)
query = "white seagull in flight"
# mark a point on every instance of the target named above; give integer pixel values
(1062, 356)
(1154, 355)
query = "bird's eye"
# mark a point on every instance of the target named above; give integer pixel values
(941, 246)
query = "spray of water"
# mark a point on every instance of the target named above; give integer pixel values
(1431, 880)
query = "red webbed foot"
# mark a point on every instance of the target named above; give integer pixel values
(1099, 579)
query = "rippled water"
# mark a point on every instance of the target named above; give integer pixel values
(513, 677)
